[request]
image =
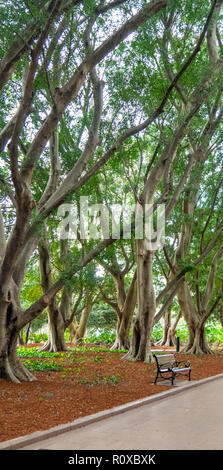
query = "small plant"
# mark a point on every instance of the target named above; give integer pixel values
(112, 379)
(86, 382)
(35, 352)
(100, 380)
(69, 372)
(42, 366)
(97, 359)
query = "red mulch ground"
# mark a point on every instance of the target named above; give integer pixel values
(89, 382)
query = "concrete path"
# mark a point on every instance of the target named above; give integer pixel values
(189, 420)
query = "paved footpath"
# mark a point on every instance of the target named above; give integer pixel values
(189, 420)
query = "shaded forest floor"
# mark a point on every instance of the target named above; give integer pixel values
(86, 381)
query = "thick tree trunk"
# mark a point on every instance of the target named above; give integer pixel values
(10, 366)
(141, 343)
(120, 289)
(169, 330)
(166, 327)
(197, 343)
(122, 340)
(84, 319)
(56, 341)
(125, 317)
(172, 331)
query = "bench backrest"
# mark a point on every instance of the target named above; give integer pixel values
(167, 359)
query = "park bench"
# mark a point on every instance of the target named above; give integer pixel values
(168, 367)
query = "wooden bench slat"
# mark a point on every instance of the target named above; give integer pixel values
(163, 358)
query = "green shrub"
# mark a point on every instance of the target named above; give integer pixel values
(182, 332)
(214, 332)
(157, 333)
(100, 336)
(38, 338)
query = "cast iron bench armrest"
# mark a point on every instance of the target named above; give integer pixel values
(185, 363)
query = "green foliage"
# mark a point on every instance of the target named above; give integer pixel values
(182, 332)
(35, 352)
(38, 338)
(101, 380)
(214, 332)
(157, 332)
(42, 366)
(103, 317)
(100, 336)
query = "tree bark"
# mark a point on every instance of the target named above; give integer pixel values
(166, 340)
(77, 332)
(197, 343)
(125, 317)
(140, 349)
(55, 340)
(221, 315)
(172, 331)
(10, 366)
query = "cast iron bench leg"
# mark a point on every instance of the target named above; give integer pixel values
(156, 378)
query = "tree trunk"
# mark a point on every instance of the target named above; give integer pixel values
(120, 289)
(167, 324)
(20, 338)
(172, 331)
(84, 319)
(78, 331)
(27, 333)
(221, 315)
(56, 341)
(56, 324)
(169, 331)
(10, 366)
(197, 343)
(140, 349)
(125, 319)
